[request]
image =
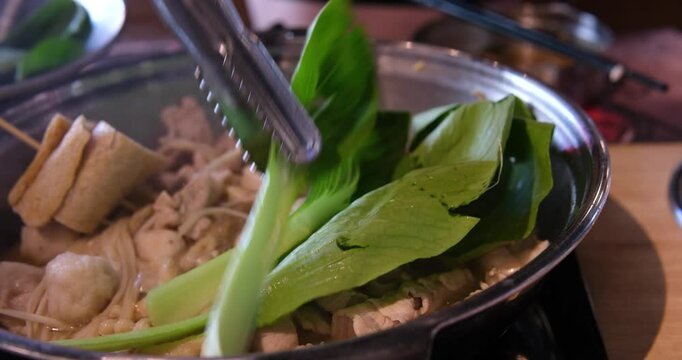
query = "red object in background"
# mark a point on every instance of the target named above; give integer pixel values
(613, 126)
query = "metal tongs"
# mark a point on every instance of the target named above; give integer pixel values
(241, 77)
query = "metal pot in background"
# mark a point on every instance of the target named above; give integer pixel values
(577, 81)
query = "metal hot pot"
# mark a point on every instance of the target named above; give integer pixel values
(129, 92)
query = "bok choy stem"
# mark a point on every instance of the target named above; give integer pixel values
(227, 331)
(141, 338)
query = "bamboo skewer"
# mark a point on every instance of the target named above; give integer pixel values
(19, 134)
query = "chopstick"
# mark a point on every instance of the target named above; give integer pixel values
(505, 26)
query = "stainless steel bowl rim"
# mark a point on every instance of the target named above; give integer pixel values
(105, 31)
(425, 328)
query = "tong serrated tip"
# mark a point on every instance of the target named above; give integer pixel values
(236, 73)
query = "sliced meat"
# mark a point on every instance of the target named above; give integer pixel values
(341, 300)
(237, 194)
(202, 191)
(40, 245)
(497, 264)
(165, 213)
(17, 281)
(411, 300)
(276, 337)
(250, 180)
(158, 250)
(200, 252)
(187, 121)
(78, 287)
(139, 218)
(314, 324)
(158, 244)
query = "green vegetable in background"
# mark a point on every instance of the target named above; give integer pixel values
(48, 54)
(49, 20)
(53, 35)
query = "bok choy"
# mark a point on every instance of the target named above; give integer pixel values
(335, 81)
(471, 179)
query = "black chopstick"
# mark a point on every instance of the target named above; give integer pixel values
(503, 25)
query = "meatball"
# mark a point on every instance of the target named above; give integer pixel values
(79, 287)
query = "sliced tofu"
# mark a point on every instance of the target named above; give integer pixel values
(44, 196)
(113, 165)
(54, 133)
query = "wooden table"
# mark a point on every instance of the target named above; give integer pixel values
(632, 259)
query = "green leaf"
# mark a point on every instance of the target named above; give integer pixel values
(509, 211)
(472, 132)
(335, 81)
(395, 224)
(140, 338)
(50, 20)
(425, 122)
(228, 331)
(384, 150)
(48, 54)
(325, 31)
(168, 303)
(339, 90)
(330, 192)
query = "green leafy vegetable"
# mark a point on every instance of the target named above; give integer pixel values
(395, 224)
(442, 198)
(379, 158)
(251, 260)
(425, 122)
(53, 35)
(472, 132)
(139, 338)
(335, 81)
(48, 54)
(508, 212)
(328, 27)
(169, 302)
(49, 20)
(384, 150)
